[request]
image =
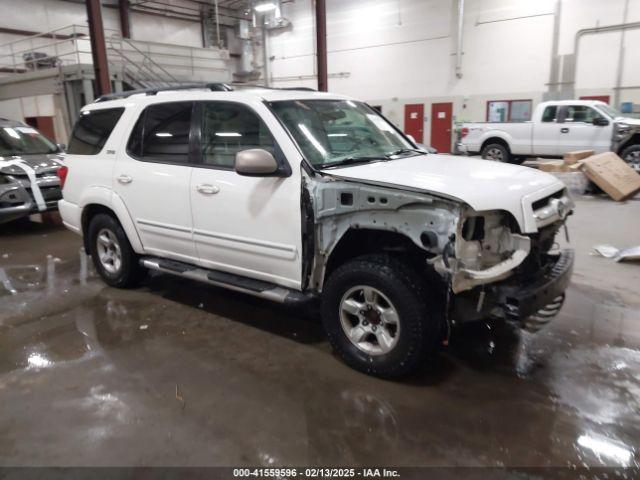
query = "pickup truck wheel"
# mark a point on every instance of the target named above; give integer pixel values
(112, 255)
(376, 311)
(631, 155)
(496, 152)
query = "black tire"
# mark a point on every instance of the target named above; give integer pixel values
(130, 272)
(497, 152)
(417, 310)
(631, 155)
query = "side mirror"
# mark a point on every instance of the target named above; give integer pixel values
(61, 147)
(600, 122)
(255, 162)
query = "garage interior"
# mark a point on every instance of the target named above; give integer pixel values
(177, 373)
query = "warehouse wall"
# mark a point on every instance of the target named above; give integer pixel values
(45, 15)
(395, 52)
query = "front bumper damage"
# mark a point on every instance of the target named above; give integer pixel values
(530, 301)
(19, 196)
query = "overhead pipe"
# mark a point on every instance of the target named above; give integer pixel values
(321, 44)
(459, 41)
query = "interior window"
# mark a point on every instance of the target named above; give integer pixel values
(580, 113)
(228, 128)
(162, 133)
(92, 130)
(520, 111)
(549, 114)
(509, 111)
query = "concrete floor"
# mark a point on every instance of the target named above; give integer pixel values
(177, 373)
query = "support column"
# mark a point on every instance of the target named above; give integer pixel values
(98, 47)
(123, 10)
(321, 44)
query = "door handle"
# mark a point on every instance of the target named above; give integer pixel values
(564, 130)
(124, 179)
(207, 189)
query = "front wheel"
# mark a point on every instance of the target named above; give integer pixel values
(631, 155)
(496, 152)
(379, 315)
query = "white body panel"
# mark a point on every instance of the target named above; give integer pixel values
(482, 185)
(584, 136)
(251, 226)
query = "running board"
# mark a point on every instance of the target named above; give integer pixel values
(250, 286)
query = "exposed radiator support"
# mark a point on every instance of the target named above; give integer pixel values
(459, 40)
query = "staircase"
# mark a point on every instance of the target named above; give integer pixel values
(136, 68)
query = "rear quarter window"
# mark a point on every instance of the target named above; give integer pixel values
(92, 130)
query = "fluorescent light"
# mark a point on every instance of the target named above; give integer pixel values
(264, 7)
(607, 448)
(164, 134)
(312, 139)
(337, 134)
(12, 132)
(228, 134)
(38, 361)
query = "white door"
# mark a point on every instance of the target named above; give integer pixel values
(578, 132)
(546, 132)
(153, 180)
(248, 226)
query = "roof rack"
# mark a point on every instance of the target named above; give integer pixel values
(214, 87)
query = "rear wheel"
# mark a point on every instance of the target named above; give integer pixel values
(631, 155)
(379, 315)
(112, 255)
(496, 152)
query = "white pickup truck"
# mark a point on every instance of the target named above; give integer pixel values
(556, 128)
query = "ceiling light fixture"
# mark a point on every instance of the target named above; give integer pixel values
(264, 7)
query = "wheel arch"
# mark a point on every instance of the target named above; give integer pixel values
(356, 242)
(495, 139)
(118, 210)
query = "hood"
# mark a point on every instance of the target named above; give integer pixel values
(41, 164)
(482, 184)
(634, 122)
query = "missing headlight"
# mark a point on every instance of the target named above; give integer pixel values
(473, 228)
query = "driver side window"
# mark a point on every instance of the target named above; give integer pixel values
(228, 128)
(580, 114)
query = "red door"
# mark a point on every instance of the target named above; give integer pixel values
(441, 122)
(602, 98)
(414, 121)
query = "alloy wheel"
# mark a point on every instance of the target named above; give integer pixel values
(369, 320)
(109, 252)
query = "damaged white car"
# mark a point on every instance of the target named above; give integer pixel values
(292, 195)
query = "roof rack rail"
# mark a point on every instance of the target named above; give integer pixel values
(214, 87)
(253, 85)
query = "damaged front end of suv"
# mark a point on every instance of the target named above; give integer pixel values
(481, 262)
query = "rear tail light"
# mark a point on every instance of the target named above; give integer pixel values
(464, 132)
(62, 175)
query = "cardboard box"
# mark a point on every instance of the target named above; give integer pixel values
(552, 166)
(577, 155)
(613, 175)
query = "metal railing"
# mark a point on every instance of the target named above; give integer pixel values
(145, 63)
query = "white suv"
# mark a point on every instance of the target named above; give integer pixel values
(291, 195)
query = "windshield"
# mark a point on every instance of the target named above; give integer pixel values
(333, 132)
(23, 140)
(612, 112)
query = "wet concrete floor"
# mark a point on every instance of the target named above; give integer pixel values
(177, 373)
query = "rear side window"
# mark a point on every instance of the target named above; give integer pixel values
(92, 130)
(162, 133)
(549, 114)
